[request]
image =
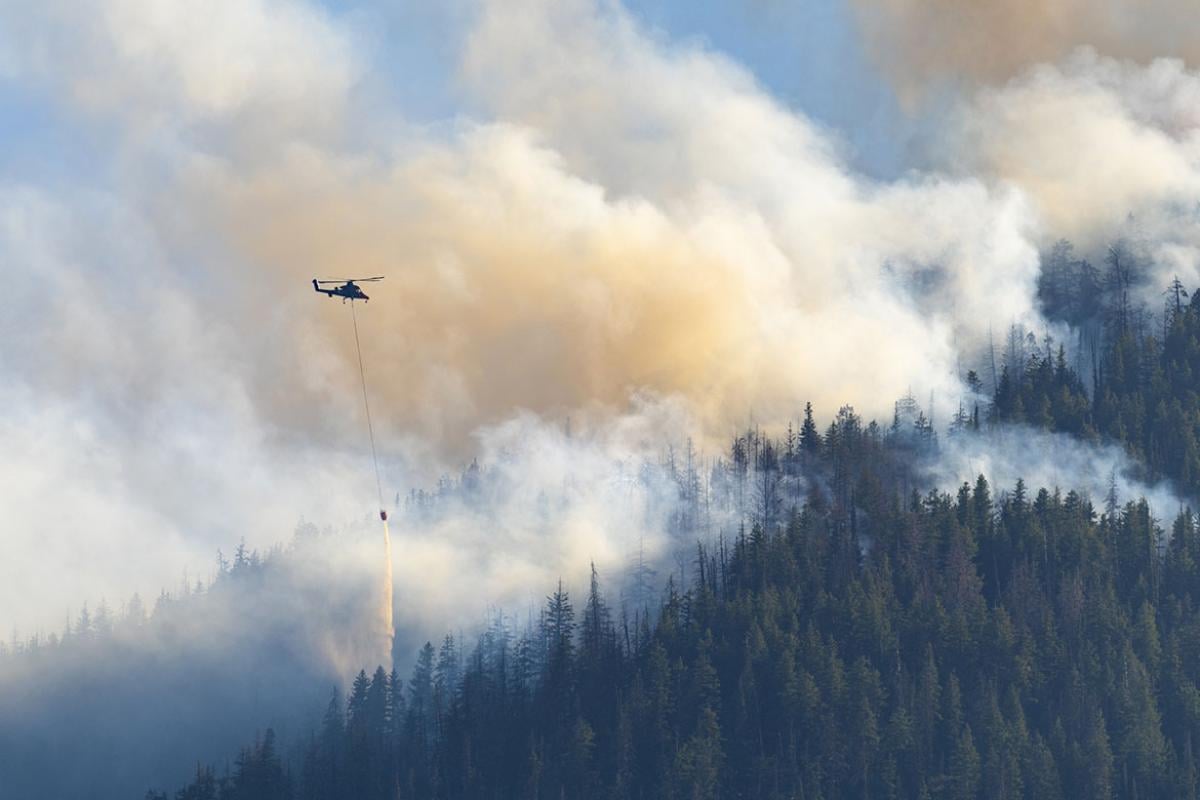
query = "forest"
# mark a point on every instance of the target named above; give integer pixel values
(858, 634)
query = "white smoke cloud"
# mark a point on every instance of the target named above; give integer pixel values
(621, 217)
(1092, 141)
(546, 503)
(1051, 461)
(262, 68)
(131, 448)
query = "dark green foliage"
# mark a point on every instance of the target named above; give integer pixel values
(1145, 372)
(258, 775)
(857, 638)
(979, 644)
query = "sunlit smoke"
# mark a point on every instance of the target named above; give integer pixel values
(613, 216)
(926, 45)
(1101, 148)
(612, 254)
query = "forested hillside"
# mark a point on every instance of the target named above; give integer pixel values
(134, 692)
(859, 639)
(969, 646)
(1144, 389)
(600, 400)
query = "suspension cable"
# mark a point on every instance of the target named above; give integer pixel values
(367, 405)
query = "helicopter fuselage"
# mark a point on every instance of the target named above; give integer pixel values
(347, 291)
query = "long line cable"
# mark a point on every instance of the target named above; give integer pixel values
(367, 405)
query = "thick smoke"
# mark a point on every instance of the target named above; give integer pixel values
(621, 242)
(625, 216)
(1089, 110)
(629, 216)
(931, 44)
(614, 217)
(544, 500)
(1102, 148)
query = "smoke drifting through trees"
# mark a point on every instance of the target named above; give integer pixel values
(624, 231)
(137, 687)
(844, 615)
(664, 225)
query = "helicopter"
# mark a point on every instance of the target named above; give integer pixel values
(348, 290)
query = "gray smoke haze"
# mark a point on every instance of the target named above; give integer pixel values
(617, 228)
(136, 696)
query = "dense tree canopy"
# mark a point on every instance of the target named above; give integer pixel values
(860, 635)
(1019, 644)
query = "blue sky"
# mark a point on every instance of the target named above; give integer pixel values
(807, 55)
